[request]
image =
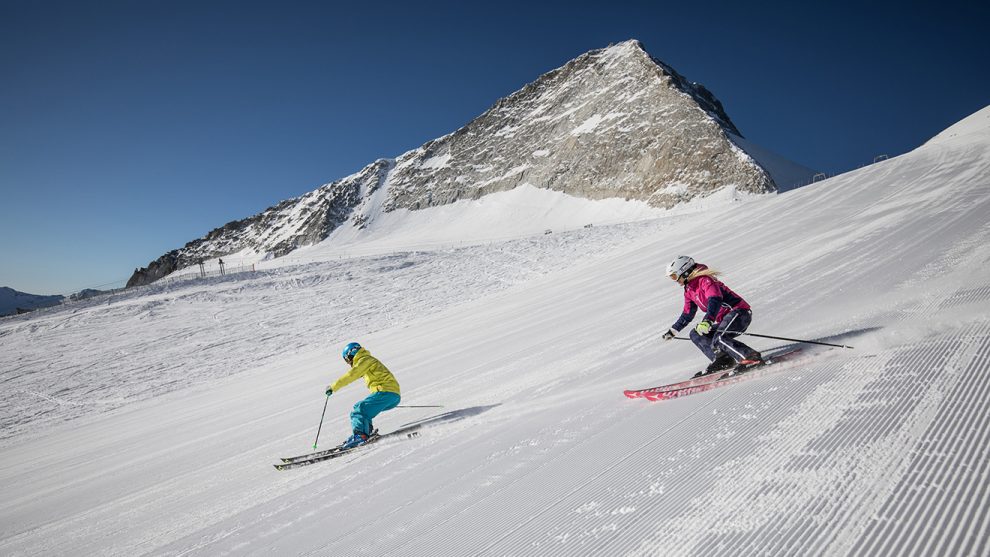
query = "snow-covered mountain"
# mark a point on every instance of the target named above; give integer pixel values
(147, 423)
(11, 301)
(614, 123)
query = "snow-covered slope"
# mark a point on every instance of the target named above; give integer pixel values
(519, 213)
(180, 397)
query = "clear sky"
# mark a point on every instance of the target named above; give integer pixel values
(130, 128)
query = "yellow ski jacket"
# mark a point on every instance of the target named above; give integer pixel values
(376, 376)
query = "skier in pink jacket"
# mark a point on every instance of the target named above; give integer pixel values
(727, 315)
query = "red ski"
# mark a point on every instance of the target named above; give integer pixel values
(706, 382)
(642, 393)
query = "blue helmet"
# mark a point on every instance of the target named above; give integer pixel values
(349, 351)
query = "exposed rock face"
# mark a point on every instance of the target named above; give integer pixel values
(613, 122)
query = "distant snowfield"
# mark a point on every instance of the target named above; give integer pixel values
(502, 217)
(148, 423)
(520, 212)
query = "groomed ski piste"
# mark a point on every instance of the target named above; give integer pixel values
(148, 423)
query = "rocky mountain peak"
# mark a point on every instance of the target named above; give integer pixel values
(633, 53)
(611, 123)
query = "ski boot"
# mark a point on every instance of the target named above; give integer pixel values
(751, 360)
(355, 440)
(723, 361)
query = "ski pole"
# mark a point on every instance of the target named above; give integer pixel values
(800, 340)
(787, 339)
(321, 421)
(428, 406)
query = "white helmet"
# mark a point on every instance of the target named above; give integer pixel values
(680, 266)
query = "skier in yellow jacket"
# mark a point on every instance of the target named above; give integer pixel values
(380, 381)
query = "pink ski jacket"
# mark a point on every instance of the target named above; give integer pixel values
(709, 293)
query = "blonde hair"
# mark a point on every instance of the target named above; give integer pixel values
(702, 273)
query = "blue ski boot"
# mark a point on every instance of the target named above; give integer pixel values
(355, 440)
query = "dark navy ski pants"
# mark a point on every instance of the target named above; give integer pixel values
(722, 339)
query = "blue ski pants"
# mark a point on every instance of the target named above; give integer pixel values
(366, 410)
(722, 340)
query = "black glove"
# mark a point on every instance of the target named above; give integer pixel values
(669, 334)
(329, 391)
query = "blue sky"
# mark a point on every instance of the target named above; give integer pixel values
(130, 128)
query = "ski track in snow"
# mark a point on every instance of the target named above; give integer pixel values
(148, 423)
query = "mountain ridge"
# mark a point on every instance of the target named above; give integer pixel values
(612, 123)
(13, 301)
